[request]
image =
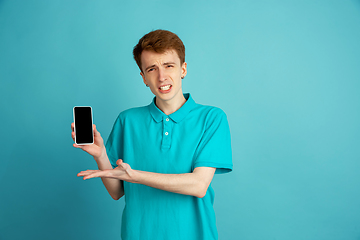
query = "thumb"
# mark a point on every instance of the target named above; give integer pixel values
(95, 130)
(119, 162)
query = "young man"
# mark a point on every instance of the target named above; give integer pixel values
(162, 157)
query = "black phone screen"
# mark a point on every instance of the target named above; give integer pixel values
(83, 125)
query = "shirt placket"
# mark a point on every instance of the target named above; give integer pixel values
(166, 139)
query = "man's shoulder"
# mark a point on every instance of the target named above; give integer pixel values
(208, 111)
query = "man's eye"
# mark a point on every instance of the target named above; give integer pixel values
(170, 65)
(151, 69)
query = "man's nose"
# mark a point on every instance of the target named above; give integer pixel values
(162, 75)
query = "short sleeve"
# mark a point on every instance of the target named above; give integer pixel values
(214, 149)
(114, 146)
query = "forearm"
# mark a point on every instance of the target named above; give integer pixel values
(194, 184)
(113, 186)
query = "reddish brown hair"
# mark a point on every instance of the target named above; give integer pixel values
(159, 41)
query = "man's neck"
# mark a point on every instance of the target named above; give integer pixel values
(172, 105)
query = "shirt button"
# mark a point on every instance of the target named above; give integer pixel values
(166, 133)
(167, 119)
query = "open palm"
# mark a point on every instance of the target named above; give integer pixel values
(121, 172)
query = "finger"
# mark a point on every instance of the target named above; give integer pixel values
(73, 131)
(99, 173)
(94, 129)
(87, 172)
(78, 146)
(96, 132)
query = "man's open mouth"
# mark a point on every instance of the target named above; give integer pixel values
(166, 87)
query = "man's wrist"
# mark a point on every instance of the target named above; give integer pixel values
(135, 176)
(100, 160)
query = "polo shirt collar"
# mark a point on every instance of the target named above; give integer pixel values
(177, 116)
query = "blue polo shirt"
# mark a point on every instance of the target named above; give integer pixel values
(149, 140)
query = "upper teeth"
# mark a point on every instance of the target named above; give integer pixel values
(167, 87)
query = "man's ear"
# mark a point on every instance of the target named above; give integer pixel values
(143, 77)
(184, 70)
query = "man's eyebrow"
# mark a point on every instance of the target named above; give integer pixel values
(154, 65)
(167, 63)
(150, 67)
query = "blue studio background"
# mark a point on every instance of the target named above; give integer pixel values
(286, 73)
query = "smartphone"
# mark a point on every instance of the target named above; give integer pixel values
(83, 121)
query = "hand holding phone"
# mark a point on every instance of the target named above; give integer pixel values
(97, 149)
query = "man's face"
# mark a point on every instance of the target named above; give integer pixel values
(162, 72)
